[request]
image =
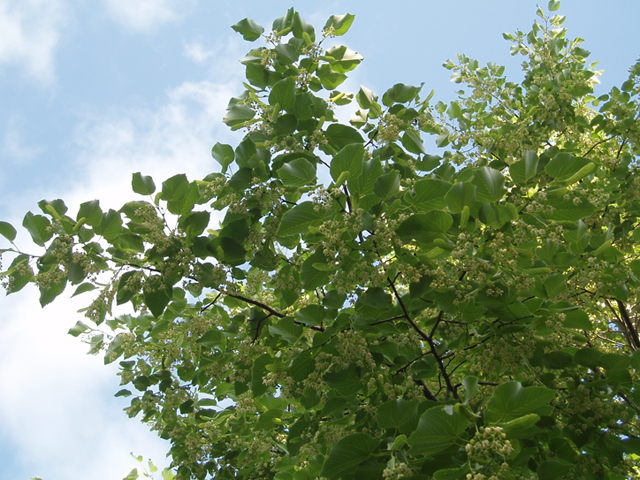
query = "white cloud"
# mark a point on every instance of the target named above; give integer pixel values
(198, 53)
(29, 34)
(144, 15)
(56, 403)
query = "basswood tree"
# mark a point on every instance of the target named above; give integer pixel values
(336, 302)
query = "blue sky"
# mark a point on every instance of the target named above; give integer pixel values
(93, 91)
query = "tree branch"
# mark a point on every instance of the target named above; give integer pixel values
(629, 324)
(400, 370)
(397, 317)
(257, 304)
(427, 392)
(260, 320)
(428, 339)
(211, 303)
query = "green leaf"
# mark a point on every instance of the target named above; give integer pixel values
(553, 5)
(329, 78)
(564, 166)
(554, 285)
(287, 329)
(311, 277)
(340, 23)
(557, 360)
(313, 315)
(349, 159)
(454, 111)
(49, 294)
(490, 184)
(258, 372)
(223, 154)
(520, 425)
(247, 154)
(249, 29)
(412, 142)
(302, 366)
(195, 223)
(283, 22)
(339, 136)
(437, 430)
(588, 357)
(400, 93)
(301, 27)
(451, 473)
(512, 400)
(553, 469)
(470, 384)
(428, 194)
(526, 169)
(462, 194)
(341, 59)
(495, 216)
(238, 115)
(365, 97)
(78, 329)
(283, 93)
(157, 295)
(347, 454)
(142, 184)
(363, 185)
(399, 414)
(428, 163)
(38, 228)
(7, 231)
(20, 272)
(298, 220)
(91, 213)
(286, 53)
(567, 210)
(125, 393)
(213, 338)
(298, 173)
(635, 359)
(425, 227)
(82, 288)
(125, 290)
(111, 226)
(55, 208)
(180, 195)
(387, 185)
(615, 362)
(574, 316)
(228, 250)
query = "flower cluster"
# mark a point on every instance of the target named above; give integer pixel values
(488, 451)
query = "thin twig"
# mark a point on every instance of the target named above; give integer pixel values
(211, 303)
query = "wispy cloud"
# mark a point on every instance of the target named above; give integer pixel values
(198, 52)
(29, 34)
(145, 15)
(176, 138)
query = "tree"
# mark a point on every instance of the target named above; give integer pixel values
(366, 309)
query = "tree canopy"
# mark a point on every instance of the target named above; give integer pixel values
(427, 291)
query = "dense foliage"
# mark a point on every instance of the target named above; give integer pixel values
(337, 302)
